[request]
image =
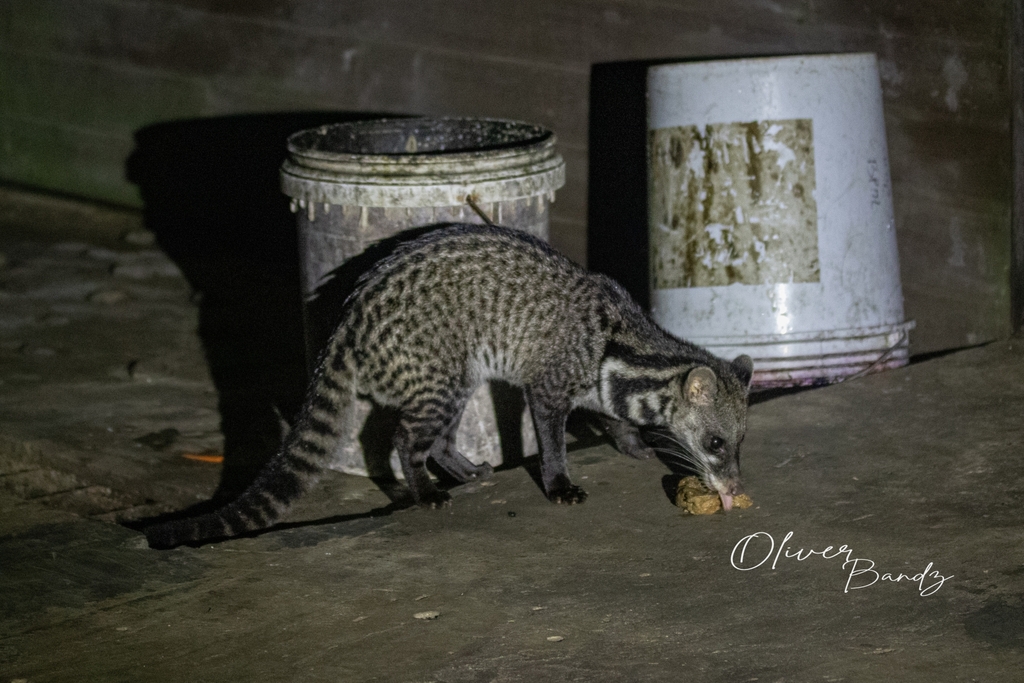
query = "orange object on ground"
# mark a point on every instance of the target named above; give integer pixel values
(204, 457)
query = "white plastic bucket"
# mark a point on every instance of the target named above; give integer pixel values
(355, 184)
(770, 215)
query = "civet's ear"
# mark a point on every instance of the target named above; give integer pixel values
(701, 385)
(744, 367)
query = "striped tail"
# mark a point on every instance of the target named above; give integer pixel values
(295, 468)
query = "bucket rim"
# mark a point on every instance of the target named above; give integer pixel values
(812, 336)
(535, 138)
(771, 60)
(524, 168)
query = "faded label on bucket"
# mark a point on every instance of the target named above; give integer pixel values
(733, 203)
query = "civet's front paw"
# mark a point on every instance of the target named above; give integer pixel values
(568, 495)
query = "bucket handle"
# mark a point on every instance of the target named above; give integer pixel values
(479, 212)
(881, 359)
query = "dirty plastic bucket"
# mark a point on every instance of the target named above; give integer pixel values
(770, 215)
(353, 185)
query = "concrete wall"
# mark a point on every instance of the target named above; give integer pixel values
(79, 78)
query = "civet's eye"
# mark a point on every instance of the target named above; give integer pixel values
(716, 444)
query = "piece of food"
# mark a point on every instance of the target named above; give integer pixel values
(742, 501)
(697, 499)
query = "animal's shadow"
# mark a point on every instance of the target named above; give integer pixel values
(375, 438)
(211, 193)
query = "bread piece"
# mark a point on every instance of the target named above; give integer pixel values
(697, 499)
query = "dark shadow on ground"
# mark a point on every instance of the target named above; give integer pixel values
(212, 197)
(932, 355)
(762, 395)
(375, 513)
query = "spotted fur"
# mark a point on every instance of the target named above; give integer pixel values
(464, 304)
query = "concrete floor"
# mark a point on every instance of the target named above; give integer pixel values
(105, 386)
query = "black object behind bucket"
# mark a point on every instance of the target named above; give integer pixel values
(617, 242)
(212, 196)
